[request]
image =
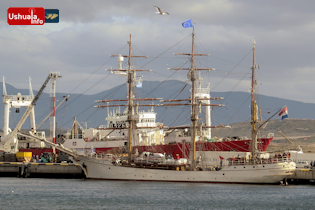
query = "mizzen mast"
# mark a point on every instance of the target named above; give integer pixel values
(254, 108)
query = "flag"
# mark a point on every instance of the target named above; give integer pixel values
(139, 85)
(283, 114)
(187, 24)
(221, 158)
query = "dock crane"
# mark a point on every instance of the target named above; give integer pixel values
(9, 143)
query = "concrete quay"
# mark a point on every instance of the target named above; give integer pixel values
(40, 170)
(302, 176)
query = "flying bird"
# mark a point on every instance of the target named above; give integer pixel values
(159, 11)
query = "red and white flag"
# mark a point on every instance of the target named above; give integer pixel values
(283, 114)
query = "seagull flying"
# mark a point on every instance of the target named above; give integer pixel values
(159, 11)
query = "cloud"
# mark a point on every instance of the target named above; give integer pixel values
(80, 45)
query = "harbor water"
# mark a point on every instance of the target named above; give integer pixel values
(36, 193)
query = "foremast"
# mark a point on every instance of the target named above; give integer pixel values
(131, 75)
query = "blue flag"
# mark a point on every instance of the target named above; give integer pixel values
(187, 24)
(139, 85)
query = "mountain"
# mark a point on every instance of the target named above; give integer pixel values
(236, 107)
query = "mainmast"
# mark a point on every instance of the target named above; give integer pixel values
(254, 108)
(194, 103)
(194, 115)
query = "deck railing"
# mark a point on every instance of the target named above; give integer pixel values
(243, 161)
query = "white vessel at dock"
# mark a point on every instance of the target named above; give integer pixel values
(250, 169)
(258, 173)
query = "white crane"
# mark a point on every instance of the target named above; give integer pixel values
(9, 142)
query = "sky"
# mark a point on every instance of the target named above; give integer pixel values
(88, 32)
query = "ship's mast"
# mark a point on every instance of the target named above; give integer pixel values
(131, 74)
(194, 114)
(254, 109)
(194, 103)
(130, 102)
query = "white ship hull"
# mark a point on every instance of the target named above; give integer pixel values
(260, 174)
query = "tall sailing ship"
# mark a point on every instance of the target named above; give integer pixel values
(154, 136)
(150, 166)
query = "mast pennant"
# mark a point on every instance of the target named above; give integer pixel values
(187, 24)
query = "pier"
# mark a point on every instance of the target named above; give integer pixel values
(40, 170)
(303, 176)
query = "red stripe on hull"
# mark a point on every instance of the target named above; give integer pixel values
(183, 148)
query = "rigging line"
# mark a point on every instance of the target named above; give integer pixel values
(230, 92)
(96, 70)
(134, 46)
(89, 108)
(64, 113)
(161, 83)
(47, 112)
(176, 71)
(181, 90)
(165, 51)
(80, 96)
(88, 89)
(177, 117)
(117, 90)
(232, 69)
(179, 65)
(184, 118)
(218, 57)
(90, 76)
(238, 109)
